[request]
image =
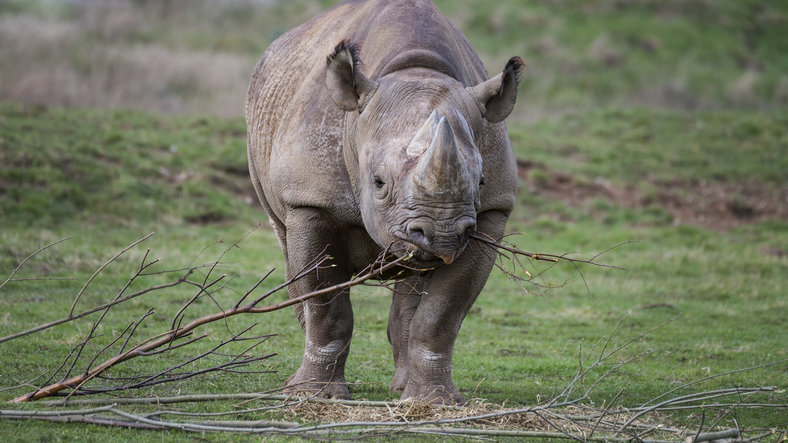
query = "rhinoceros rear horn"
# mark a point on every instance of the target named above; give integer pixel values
(495, 97)
(347, 85)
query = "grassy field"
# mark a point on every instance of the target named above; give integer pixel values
(661, 122)
(181, 178)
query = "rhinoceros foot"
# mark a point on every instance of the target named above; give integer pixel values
(311, 385)
(399, 381)
(445, 394)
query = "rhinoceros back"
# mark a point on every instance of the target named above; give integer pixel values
(295, 131)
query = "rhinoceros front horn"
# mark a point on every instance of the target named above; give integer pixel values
(442, 168)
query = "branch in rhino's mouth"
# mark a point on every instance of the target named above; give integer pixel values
(508, 259)
(420, 257)
(489, 240)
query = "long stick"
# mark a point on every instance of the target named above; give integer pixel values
(174, 334)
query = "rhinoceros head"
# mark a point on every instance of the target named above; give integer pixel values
(411, 147)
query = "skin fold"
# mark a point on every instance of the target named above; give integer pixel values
(373, 126)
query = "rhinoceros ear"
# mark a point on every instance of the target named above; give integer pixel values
(347, 85)
(495, 97)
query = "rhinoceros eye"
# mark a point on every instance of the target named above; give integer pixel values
(378, 182)
(481, 181)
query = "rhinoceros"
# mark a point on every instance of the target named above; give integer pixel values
(374, 126)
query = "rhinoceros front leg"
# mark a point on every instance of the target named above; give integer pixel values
(406, 298)
(448, 294)
(327, 321)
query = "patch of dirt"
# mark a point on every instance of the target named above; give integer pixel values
(239, 185)
(713, 205)
(207, 218)
(774, 251)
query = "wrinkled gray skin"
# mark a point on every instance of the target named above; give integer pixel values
(371, 126)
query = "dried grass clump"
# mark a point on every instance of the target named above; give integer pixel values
(478, 417)
(478, 413)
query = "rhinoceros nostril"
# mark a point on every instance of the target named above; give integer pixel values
(417, 235)
(464, 230)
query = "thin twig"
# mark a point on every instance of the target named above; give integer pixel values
(96, 308)
(693, 397)
(253, 288)
(489, 240)
(22, 263)
(101, 268)
(700, 428)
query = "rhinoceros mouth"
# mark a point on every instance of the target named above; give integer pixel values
(402, 247)
(421, 256)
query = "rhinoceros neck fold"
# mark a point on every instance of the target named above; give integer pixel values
(421, 58)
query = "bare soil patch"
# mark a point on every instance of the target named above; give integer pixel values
(714, 205)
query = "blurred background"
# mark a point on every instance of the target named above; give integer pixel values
(633, 78)
(195, 56)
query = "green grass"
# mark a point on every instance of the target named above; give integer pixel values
(628, 147)
(725, 287)
(679, 55)
(62, 165)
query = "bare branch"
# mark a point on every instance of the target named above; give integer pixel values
(167, 337)
(722, 374)
(692, 397)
